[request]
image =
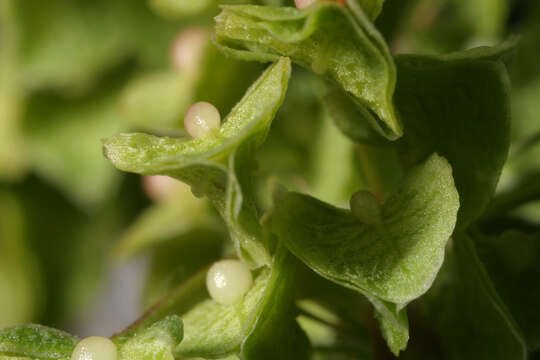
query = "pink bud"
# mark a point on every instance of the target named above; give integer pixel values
(302, 4)
(188, 48)
(159, 187)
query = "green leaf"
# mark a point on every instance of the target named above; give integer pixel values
(392, 263)
(158, 101)
(328, 38)
(396, 261)
(393, 323)
(219, 165)
(512, 261)
(156, 342)
(348, 118)
(276, 321)
(36, 341)
(457, 106)
(249, 119)
(252, 327)
(213, 330)
(490, 331)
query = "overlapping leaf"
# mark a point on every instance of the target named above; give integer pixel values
(328, 38)
(202, 163)
(459, 107)
(392, 263)
(396, 261)
(154, 342)
(158, 101)
(261, 326)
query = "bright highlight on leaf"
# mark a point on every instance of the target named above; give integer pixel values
(95, 348)
(202, 118)
(228, 281)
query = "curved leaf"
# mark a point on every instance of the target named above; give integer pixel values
(394, 324)
(158, 101)
(396, 261)
(328, 38)
(459, 107)
(202, 163)
(276, 323)
(261, 326)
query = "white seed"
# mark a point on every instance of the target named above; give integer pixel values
(95, 348)
(188, 48)
(228, 281)
(302, 4)
(202, 118)
(366, 207)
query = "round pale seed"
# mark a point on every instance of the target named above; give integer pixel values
(202, 118)
(228, 281)
(95, 348)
